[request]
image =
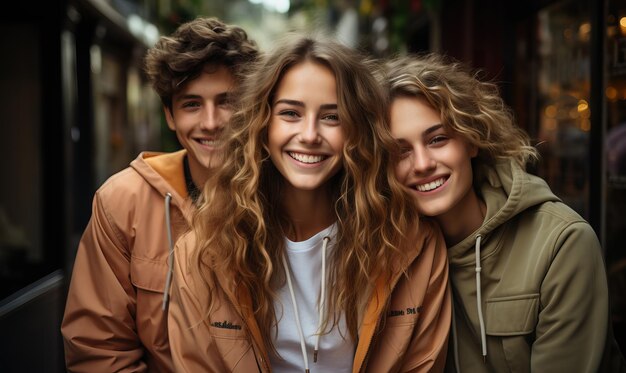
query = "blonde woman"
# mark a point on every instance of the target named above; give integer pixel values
(528, 279)
(305, 255)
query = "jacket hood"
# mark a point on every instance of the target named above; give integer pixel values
(507, 191)
(164, 172)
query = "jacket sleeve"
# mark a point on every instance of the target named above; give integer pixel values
(573, 316)
(191, 345)
(428, 350)
(98, 326)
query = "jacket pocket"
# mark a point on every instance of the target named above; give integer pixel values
(513, 315)
(233, 345)
(512, 321)
(148, 274)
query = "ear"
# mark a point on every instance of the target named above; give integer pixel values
(169, 118)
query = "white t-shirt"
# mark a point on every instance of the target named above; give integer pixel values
(305, 266)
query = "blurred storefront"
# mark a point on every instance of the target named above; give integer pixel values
(75, 109)
(614, 160)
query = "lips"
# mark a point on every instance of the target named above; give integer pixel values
(307, 158)
(432, 185)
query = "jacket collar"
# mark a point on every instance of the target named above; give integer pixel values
(166, 166)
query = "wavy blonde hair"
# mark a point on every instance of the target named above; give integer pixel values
(240, 225)
(469, 107)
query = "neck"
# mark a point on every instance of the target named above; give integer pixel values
(199, 173)
(309, 212)
(456, 229)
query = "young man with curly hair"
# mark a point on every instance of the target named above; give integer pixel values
(116, 312)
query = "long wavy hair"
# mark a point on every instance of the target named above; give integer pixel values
(240, 225)
(469, 107)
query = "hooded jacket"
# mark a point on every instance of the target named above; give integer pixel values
(404, 326)
(529, 286)
(114, 317)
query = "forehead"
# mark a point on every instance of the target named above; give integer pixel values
(307, 79)
(212, 77)
(412, 115)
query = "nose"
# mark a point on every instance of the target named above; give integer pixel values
(423, 160)
(309, 132)
(211, 119)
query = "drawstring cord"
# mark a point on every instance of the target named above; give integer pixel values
(481, 320)
(320, 308)
(455, 340)
(479, 302)
(170, 257)
(322, 302)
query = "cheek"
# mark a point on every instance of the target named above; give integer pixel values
(271, 136)
(402, 169)
(336, 138)
(225, 115)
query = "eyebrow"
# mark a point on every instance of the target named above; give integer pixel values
(192, 96)
(432, 129)
(301, 104)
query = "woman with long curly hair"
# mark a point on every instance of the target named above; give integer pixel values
(526, 271)
(305, 254)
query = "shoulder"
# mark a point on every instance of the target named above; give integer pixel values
(122, 185)
(558, 212)
(550, 231)
(431, 238)
(429, 243)
(558, 223)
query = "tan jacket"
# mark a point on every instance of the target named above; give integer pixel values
(114, 321)
(413, 338)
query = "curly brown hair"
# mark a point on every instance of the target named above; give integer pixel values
(470, 107)
(182, 56)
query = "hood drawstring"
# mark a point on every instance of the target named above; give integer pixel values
(481, 320)
(320, 307)
(322, 301)
(479, 302)
(170, 256)
(455, 340)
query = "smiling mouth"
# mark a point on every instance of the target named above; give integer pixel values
(307, 158)
(206, 142)
(427, 187)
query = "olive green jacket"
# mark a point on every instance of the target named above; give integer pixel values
(543, 287)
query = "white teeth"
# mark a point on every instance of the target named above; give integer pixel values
(209, 142)
(430, 186)
(306, 158)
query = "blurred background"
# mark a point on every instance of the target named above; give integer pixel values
(75, 108)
